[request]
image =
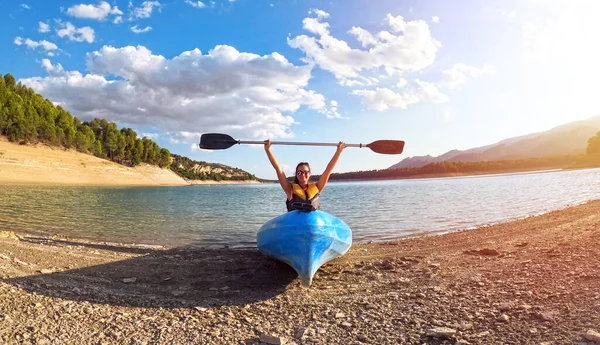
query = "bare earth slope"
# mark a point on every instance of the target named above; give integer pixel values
(531, 281)
(41, 164)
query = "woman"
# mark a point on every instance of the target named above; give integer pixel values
(302, 195)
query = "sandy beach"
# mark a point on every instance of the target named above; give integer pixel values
(42, 164)
(530, 281)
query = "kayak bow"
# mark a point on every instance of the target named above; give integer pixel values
(304, 240)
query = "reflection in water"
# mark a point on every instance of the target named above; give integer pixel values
(232, 214)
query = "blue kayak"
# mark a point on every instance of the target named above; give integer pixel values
(304, 240)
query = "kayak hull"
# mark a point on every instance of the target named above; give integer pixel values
(304, 240)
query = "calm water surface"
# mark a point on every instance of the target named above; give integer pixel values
(232, 214)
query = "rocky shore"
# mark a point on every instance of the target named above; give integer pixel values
(530, 281)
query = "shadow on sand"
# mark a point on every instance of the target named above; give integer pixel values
(178, 277)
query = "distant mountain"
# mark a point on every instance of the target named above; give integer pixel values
(567, 139)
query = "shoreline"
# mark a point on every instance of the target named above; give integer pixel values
(534, 280)
(41, 164)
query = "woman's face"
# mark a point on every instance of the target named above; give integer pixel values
(303, 173)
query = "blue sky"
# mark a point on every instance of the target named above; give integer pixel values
(440, 75)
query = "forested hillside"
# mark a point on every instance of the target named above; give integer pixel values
(27, 118)
(591, 159)
(195, 170)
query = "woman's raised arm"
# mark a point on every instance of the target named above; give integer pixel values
(325, 176)
(283, 181)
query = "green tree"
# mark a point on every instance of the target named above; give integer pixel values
(84, 139)
(165, 158)
(111, 140)
(593, 146)
(138, 151)
(10, 81)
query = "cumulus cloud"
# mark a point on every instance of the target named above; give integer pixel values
(460, 73)
(184, 137)
(68, 30)
(49, 47)
(403, 49)
(319, 13)
(197, 4)
(43, 27)
(383, 98)
(98, 12)
(406, 46)
(430, 92)
(137, 30)
(144, 11)
(223, 90)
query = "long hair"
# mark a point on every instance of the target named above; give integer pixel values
(296, 171)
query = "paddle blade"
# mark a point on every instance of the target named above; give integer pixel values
(390, 147)
(216, 141)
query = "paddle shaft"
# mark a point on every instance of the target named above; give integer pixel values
(296, 143)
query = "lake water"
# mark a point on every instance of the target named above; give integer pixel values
(217, 215)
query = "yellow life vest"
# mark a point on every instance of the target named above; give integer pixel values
(304, 200)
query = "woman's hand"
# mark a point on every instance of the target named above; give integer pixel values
(341, 146)
(268, 145)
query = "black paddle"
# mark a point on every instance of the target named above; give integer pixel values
(217, 141)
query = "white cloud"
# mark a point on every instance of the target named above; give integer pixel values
(150, 135)
(320, 13)
(435, 19)
(430, 92)
(43, 27)
(137, 30)
(197, 4)
(223, 91)
(313, 25)
(145, 11)
(98, 12)
(184, 137)
(25, 6)
(117, 20)
(68, 30)
(53, 70)
(43, 44)
(460, 73)
(331, 111)
(383, 98)
(406, 47)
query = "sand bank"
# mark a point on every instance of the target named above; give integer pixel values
(531, 281)
(42, 164)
